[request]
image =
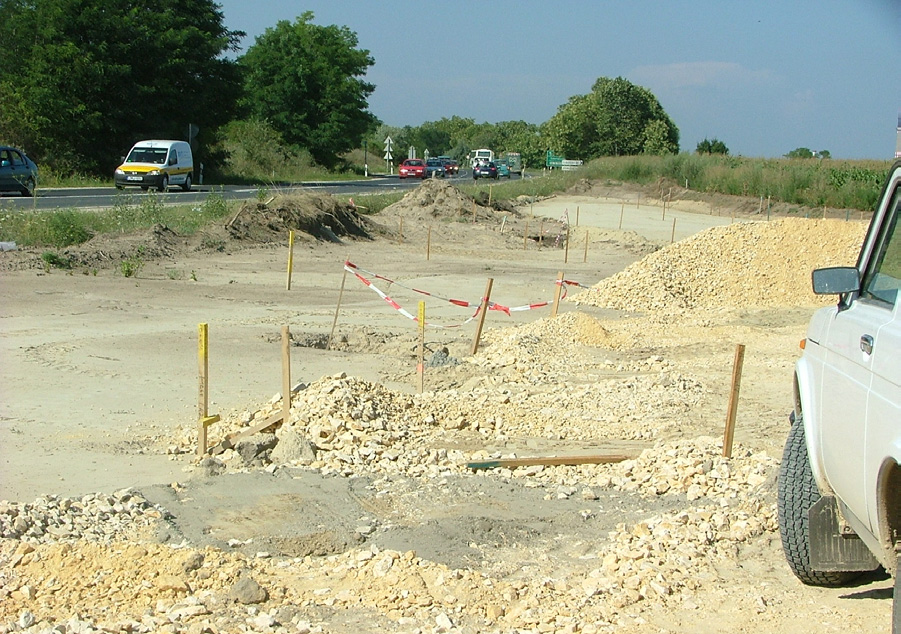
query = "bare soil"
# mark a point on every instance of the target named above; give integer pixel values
(385, 528)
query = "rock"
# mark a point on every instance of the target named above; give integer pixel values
(293, 446)
(247, 591)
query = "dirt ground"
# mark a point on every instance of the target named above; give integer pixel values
(374, 521)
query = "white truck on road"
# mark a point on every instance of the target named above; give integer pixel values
(840, 480)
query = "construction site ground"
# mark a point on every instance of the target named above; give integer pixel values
(365, 516)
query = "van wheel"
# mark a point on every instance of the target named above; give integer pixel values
(187, 184)
(164, 185)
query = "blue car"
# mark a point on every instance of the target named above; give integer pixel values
(484, 170)
(18, 173)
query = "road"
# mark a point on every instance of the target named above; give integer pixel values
(101, 197)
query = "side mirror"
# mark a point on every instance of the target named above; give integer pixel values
(835, 280)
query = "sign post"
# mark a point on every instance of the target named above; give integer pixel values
(389, 145)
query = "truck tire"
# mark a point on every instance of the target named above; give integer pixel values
(896, 600)
(797, 493)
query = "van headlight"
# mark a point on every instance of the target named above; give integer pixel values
(120, 171)
(154, 172)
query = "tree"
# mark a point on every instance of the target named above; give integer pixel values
(93, 76)
(615, 118)
(801, 152)
(306, 81)
(712, 146)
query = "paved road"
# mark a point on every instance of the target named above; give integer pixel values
(100, 197)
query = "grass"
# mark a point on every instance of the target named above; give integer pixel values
(61, 228)
(808, 183)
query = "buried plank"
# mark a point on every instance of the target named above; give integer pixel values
(549, 461)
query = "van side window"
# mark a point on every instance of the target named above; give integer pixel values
(882, 279)
(173, 157)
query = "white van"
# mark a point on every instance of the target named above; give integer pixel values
(157, 164)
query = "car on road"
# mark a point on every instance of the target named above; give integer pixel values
(839, 493)
(451, 166)
(484, 169)
(503, 169)
(18, 173)
(434, 168)
(412, 168)
(157, 164)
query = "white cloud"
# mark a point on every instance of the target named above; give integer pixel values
(698, 74)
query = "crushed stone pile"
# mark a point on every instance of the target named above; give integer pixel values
(734, 266)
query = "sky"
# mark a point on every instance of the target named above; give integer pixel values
(763, 76)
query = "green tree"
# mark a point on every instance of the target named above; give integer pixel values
(801, 152)
(306, 81)
(616, 118)
(712, 146)
(93, 76)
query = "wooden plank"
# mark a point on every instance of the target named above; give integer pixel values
(550, 461)
(229, 441)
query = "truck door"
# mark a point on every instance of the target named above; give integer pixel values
(858, 347)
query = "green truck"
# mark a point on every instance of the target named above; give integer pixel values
(514, 162)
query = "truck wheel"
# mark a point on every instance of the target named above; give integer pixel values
(896, 600)
(187, 184)
(164, 185)
(797, 493)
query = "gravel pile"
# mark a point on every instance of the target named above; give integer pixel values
(739, 265)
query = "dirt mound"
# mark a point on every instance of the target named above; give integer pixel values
(437, 199)
(740, 265)
(320, 216)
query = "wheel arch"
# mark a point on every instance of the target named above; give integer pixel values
(888, 511)
(805, 406)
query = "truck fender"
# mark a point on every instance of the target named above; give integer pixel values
(806, 406)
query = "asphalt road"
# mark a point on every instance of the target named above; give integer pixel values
(101, 197)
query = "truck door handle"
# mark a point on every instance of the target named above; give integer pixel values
(866, 344)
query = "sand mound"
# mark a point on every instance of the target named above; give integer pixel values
(320, 216)
(436, 199)
(755, 264)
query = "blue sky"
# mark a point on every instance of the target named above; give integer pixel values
(765, 77)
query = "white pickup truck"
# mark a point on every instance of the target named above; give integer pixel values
(840, 479)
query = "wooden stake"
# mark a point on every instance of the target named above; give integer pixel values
(420, 367)
(540, 233)
(489, 195)
(550, 461)
(286, 375)
(428, 244)
(557, 293)
(483, 310)
(525, 235)
(672, 237)
(290, 257)
(204, 419)
(585, 257)
(622, 210)
(577, 215)
(729, 434)
(328, 345)
(638, 202)
(566, 248)
(473, 210)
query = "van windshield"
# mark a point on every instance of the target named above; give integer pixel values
(148, 155)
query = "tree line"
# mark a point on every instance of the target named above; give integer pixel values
(91, 77)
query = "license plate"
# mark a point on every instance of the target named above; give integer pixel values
(134, 178)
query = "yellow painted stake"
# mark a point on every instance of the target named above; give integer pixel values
(204, 420)
(420, 368)
(290, 258)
